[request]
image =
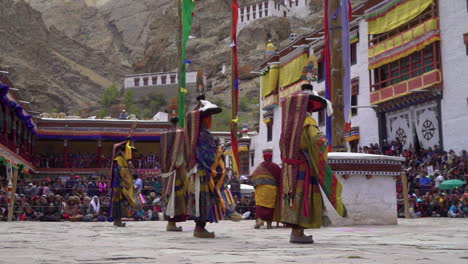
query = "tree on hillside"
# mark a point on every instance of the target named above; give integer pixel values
(151, 104)
(128, 100)
(110, 97)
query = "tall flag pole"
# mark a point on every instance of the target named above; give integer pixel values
(234, 86)
(186, 8)
(336, 70)
(345, 17)
(326, 53)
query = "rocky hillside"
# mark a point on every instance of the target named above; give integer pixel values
(79, 47)
(53, 71)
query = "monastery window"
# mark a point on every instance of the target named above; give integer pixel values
(260, 14)
(248, 17)
(242, 11)
(244, 162)
(242, 18)
(145, 81)
(297, 2)
(2, 119)
(254, 15)
(290, 3)
(173, 77)
(354, 95)
(163, 79)
(408, 67)
(321, 71)
(137, 81)
(353, 53)
(252, 158)
(465, 37)
(266, 12)
(154, 80)
(270, 131)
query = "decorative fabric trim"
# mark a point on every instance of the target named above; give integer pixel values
(398, 16)
(382, 9)
(269, 81)
(352, 135)
(404, 44)
(270, 102)
(291, 71)
(268, 120)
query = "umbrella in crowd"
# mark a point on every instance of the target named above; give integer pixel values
(451, 184)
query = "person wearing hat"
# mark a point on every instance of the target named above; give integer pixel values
(174, 173)
(122, 187)
(304, 156)
(208, 195)
(266, 180)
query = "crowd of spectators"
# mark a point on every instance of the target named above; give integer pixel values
(427, 169)
(74, 198)
(89, 160)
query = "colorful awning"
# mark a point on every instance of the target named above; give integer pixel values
(394, 13)
(291, 71)
(270, 81)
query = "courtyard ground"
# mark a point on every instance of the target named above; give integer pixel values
(423, 240)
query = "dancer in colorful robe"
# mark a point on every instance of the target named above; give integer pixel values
(122, 182)
(304, 155)
(266, 180)
(209, 199)
(174, 172)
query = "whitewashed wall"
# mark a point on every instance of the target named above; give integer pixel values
(129, 80)
(453, 24)
(368, 201)
(366, 118)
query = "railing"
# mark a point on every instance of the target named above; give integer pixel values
(88, 163)
(416, 70)
(22, 149)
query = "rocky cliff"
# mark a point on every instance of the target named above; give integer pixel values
(66, 58)
(53, 71)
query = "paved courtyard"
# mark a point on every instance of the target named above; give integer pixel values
(426, 240)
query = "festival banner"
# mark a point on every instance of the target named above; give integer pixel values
(235, 85)
(187, 17)
(327, 59)
(345, 35)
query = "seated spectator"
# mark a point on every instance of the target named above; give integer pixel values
(28, 214)
(58, 187)
(93, 188)
(454, 211)
(425, 183)
(72, 210)
(51, 211)
(464, 207)
(87, 210)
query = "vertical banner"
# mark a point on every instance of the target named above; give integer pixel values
(234, 86)
(187, 17)
(345, 11)
(327, 69)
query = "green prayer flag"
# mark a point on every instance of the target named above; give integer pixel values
(187, 17)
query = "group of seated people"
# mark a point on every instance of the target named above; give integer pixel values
(439, 204)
